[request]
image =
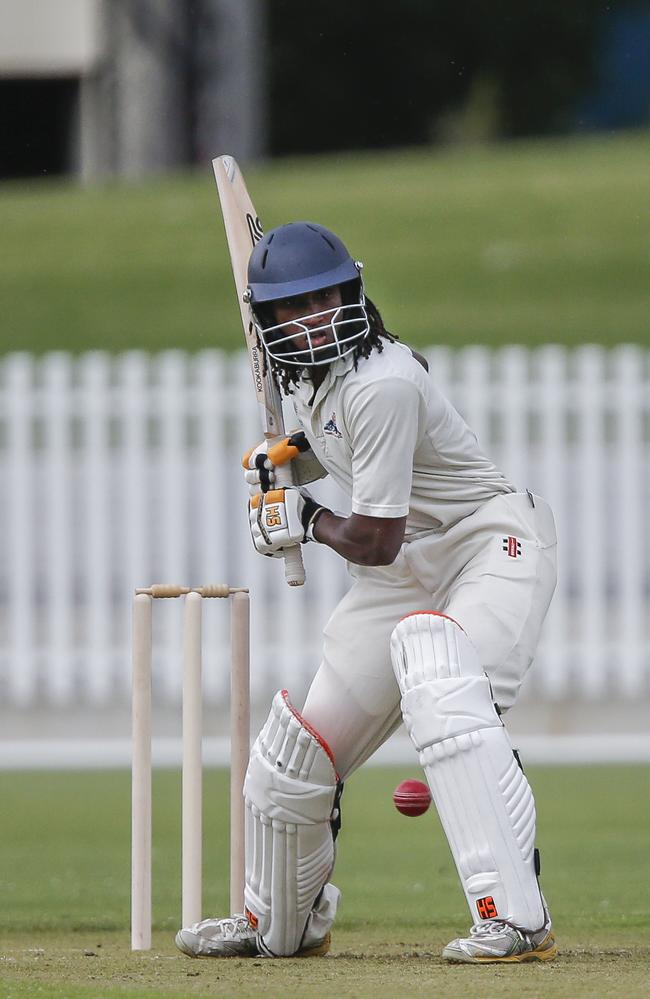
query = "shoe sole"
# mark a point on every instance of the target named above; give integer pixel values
(546, 951)
(317, 950)
(188, 950)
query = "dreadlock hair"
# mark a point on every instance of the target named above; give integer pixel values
(288, 375)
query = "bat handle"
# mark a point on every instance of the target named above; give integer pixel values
(294, 570)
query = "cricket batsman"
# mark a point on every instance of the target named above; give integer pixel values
(453, 570)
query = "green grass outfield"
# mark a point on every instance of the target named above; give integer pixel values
(64, 886)
(521, 242)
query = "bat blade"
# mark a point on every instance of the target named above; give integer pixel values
(243, 231)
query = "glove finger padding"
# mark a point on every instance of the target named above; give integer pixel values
(259, 470)
(262, 460)
(260, 479)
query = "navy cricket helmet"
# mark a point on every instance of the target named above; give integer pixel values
(293, 260)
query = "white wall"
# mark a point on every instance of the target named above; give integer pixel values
(49, 37)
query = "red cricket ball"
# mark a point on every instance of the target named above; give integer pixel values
(412, 797)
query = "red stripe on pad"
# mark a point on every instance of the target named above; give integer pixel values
(312, 731)
(434, 614)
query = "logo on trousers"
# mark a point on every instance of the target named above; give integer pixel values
(512, 546)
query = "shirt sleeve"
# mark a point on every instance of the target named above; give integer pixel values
(382, 420)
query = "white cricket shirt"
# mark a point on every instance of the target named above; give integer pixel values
(393, 442)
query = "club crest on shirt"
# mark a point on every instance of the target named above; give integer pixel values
(331, 427)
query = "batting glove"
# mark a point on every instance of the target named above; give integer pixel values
(261, 461)
(281, 518)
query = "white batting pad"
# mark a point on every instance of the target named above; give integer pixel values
(289, 790)
(483, 799)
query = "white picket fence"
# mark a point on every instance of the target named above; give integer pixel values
(116, 472)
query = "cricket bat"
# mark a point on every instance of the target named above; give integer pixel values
(243, 231)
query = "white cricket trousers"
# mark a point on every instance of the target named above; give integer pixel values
(493, 572)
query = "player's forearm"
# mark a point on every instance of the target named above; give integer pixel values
(362, 541)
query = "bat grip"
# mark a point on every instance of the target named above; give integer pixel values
(294, 570)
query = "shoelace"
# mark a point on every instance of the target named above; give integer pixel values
(230, 928)
(492, 928)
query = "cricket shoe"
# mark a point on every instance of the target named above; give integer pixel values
(234, 937)
(498, 941)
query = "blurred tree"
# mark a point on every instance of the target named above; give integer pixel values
(376, 73)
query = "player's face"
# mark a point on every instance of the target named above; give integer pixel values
(314, 328)
(309, 309)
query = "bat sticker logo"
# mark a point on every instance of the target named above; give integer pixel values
(258, 377)
(255, 230)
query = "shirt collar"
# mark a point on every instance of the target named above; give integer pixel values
(336, 370)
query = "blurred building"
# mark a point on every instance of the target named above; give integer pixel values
(127, 87)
